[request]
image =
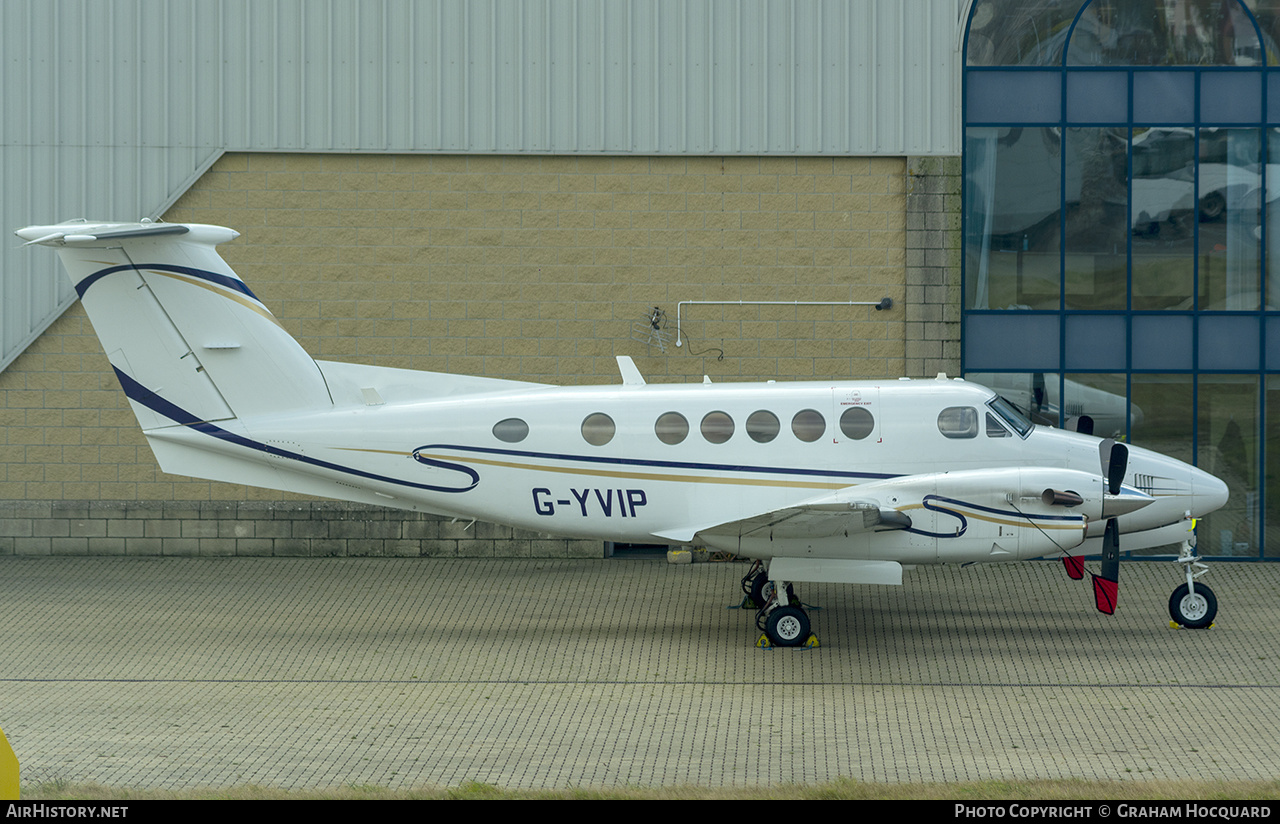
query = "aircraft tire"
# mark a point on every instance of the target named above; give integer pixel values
(761, 589)
(1193, 611)
(787, 626)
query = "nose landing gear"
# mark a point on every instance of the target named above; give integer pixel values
(1192, 605)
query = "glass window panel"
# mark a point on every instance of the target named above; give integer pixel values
(1228, 342)
(1096, 342)
(1011, 416)
(808, 425)
(958, 422)
(994, 428)
(511, 430)
(1019, 32)
(1273, 215)
(671, 428)
(763, 426)
(1013, 206)
(1013, 97)
(1034, 394)
(1012, 341)
(1162, 217)
(1160, 33)
(1097, 97)
(1273, 343)
(1100, 398)
(717, 427)
(1227, 446)
(597, 429)
(1272, 547)
(1273, 96)
(1162, 342)
(1230, 97)
(1167, 422)
(1164, 97)
(1229, 217)
(1096, 187)
(857, 423)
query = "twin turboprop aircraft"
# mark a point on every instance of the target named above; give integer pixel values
(846, 482)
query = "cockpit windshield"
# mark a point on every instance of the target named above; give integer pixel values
(1016, 420)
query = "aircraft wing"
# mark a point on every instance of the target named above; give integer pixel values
(821, 517)
(998, 511)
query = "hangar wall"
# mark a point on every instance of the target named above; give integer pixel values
(534, 268)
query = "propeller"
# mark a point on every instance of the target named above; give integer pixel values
(1115, 462)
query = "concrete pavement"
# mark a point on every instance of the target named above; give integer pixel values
(299, 673)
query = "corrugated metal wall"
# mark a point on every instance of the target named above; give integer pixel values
(111, 109)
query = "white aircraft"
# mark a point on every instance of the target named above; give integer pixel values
(847, 482)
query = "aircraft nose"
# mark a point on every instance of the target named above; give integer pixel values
(1208, 493)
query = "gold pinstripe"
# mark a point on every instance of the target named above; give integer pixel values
(609, 473)
(240, 299)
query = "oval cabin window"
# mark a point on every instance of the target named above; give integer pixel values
(808, 425)
(958, 422)
(763, 426)
(671, 428)
(856, 423)
(717, 427)
(598, 429)
(511, 430)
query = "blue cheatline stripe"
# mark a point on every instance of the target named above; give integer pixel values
(767, 470)
(234, 284)
(930, 503)
(139, 393)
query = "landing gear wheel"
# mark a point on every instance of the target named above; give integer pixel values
(787, 626)
(762, 589)
(1193, 611)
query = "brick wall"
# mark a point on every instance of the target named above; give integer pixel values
(305, 529)
(932, 309)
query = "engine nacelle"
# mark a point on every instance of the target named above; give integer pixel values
(993, 514)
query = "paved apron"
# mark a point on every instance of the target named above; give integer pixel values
(299, 673)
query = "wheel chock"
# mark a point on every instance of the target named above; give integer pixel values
(811, 642)
(1176, 625)
(746, 603)
(8, 770)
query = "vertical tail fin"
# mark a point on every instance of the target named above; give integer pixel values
(188, 339)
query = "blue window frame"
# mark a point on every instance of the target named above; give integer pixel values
(1121, 203)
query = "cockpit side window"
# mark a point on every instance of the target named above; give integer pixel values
(1011, 416)
(958, 422)
(994, 429)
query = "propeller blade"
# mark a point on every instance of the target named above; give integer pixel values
(1118, 465)
(1106, 585)
(1075, 567)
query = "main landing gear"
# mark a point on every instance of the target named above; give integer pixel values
(780, 614)
(1192, 605)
